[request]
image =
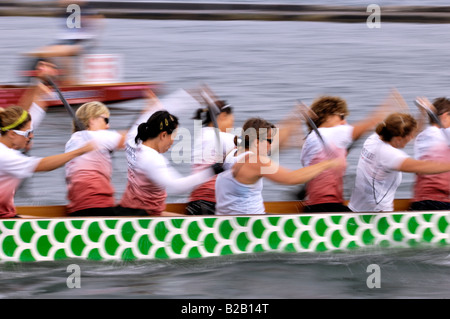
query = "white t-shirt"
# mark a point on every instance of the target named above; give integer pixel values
(336, 137)
(432, 144)
(157, 169)
(205, 147)
(377, 176)
(37, 115)
(430, 137)
(14, 166)
(207, 151)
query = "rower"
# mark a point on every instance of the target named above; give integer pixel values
(90, 190)
(332, 138)
(80, 26)
(432, 192)
(381, 162)
(202, 200)
(16, 132)
(150, 176)
(239, 189)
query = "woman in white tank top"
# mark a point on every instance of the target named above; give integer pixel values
(239, 189)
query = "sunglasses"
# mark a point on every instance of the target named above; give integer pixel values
(269, 140)
(25, 134)
(106, 119)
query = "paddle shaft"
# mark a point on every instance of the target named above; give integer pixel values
(213, 110)
(314, 128)
(434, 117)
(67, 106)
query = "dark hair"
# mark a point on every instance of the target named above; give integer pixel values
(203, 113)
(160, 121)
(252, 130)
(396, 124)
(442, 106)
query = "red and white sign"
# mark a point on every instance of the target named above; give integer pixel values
(101, 68)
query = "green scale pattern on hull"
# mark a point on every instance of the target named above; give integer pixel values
(25, 240)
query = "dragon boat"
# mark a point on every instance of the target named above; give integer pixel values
(48, 234)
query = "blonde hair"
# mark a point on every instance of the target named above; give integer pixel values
(88, 111)
(10, 115)
(396, 124)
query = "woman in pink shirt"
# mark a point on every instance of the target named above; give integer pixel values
(16, 132)
(89, 188)
(325, 192)
(149, 172)
(432, 192)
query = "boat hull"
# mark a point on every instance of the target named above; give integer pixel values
(152, 238)
(79, 94)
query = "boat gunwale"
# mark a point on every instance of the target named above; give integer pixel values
(59, 211)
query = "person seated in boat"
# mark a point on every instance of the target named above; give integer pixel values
(202, 200)
(325, 192)
(150, 174)
(16, 131)
(239, 189)
(89, 188)
(80, 27)
(382, 161)
(432, 191)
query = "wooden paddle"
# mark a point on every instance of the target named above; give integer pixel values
(80, 126)
(426, 106)
(213, 113)
(423, 105)
(305, 111)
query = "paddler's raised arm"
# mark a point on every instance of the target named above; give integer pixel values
(179, 100)
(35, 93)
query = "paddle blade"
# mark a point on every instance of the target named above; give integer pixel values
(425, 105)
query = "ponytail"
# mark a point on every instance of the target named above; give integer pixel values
(203, 113)
(396, 124)
(160, 121)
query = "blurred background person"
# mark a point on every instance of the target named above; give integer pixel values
(80, 27)
(202, 200)
(432, 191)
